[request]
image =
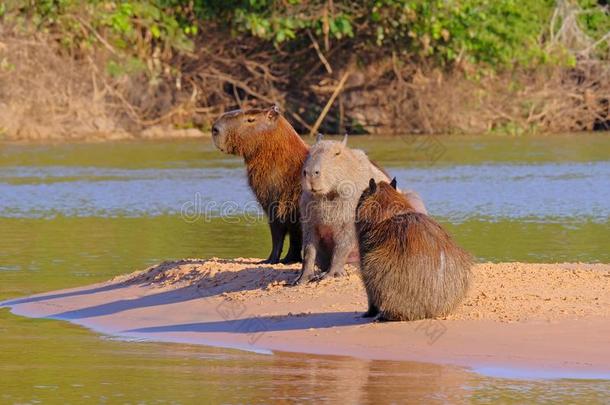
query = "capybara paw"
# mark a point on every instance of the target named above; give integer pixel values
(382, 318)
(367, 315)
(329, 274)
(269, 261)
(290, 260)
(303, 279)
(370, 313)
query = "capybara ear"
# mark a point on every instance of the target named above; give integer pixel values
(319, 137)
(344, 142)
(393, 183)
(273, 112)
(372, 185)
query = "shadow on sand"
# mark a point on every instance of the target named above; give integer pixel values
(200, 285)
(46, 297)
(261, 324)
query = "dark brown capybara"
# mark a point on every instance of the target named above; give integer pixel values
(411, 268)
(274, 154)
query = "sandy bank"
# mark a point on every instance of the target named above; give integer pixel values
(547, 318)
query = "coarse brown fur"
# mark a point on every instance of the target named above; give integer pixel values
(411, 268)
(274, 154)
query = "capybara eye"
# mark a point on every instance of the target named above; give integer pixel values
(251, 119)
(304, 172)
(337, 153)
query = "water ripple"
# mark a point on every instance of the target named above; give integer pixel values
(542, 191)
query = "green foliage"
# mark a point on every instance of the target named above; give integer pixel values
(494, 33)
(595, 21)
(135, 25)
(127, 21)
(129, 66)
(138, 33)
(282, 21)
(497, 33)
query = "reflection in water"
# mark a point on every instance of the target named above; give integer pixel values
(71, 364)
(86, 367)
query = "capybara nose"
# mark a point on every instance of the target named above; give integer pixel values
(215, 130)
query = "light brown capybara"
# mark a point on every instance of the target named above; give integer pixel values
(334, 177)
(411, 268)
(274, 154)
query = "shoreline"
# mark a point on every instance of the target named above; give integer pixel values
(177, 134)
(149, 134)
(519, 319)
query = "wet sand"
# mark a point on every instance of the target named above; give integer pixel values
(548, 320)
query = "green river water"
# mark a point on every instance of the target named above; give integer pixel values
(76, 214)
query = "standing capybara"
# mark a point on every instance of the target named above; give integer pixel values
(411, 268)
(274, 154)
(334, 177)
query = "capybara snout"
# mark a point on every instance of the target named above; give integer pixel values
(325, 167)
(312, 180)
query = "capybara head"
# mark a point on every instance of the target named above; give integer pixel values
(329, 168)
(381, 201)
(240, 131)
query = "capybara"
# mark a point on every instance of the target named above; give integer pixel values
(334, 177)
(274, 154)
(411, 268)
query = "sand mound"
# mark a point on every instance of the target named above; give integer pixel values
(504, 292)
(551, 318)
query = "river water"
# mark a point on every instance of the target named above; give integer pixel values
(76, 214)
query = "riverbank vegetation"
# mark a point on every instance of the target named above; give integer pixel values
(84, 68)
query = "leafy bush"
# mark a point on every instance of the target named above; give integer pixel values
(129, 25)
(497, 33)
(595, 21)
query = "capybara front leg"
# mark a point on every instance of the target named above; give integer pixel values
(296, 245)
(278, 233)
(345, 242)
(343, 247)
(309, 260)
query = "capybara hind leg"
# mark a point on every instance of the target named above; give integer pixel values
(343, 247)
(296, 245)
(323, 259)
(278, 233)
(372, 312)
